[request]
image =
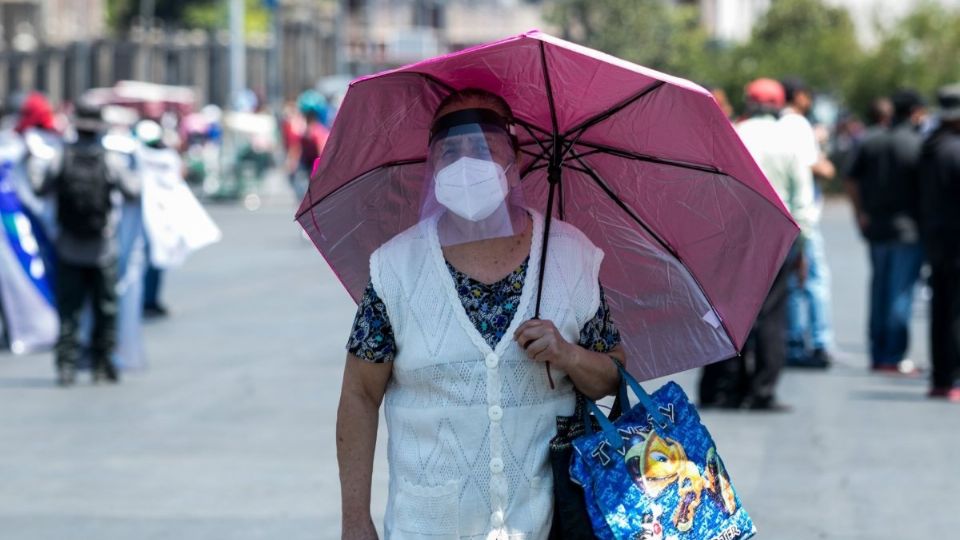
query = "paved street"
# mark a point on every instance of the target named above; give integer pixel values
(229, 434)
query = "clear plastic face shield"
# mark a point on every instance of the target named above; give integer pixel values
(472, 179)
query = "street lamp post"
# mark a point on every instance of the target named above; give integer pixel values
(147, 10)
(340, 37)
(275, 84)
(238, 56)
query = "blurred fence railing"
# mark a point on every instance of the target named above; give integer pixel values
(196, 59)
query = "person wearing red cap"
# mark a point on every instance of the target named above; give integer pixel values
(729, 384)
(34, 128)
(36, 112)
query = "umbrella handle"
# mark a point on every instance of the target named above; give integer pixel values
(546, 364)
(554, 176)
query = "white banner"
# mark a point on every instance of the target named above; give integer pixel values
(176, 223)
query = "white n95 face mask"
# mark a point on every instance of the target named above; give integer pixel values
(471, 188)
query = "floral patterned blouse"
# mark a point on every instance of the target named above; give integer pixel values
(490, 307)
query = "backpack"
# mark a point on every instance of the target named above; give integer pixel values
(311, 143)
(83, 196)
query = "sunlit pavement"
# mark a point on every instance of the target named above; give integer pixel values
(229, 434)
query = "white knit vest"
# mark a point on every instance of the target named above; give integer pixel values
(469, 426)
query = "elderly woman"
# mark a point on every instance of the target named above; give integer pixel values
(446, 336)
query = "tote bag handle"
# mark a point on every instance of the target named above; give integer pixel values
(646, 402)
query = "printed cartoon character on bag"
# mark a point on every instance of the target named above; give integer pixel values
(657, 463)
(718, 482)
(651, 527)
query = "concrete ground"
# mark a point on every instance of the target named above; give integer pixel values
(229, 434)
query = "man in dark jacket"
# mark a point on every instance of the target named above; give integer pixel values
(940, 181)
(86, 188)
(884, 189)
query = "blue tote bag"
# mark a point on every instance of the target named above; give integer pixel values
(654, 473)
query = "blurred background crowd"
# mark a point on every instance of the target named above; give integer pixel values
(232, 90)
(132, 131)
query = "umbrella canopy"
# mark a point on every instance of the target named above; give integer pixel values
(645, 164)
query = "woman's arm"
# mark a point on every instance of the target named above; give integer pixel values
(364, 384)
(592, 373)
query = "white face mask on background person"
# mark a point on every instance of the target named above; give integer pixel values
(471, 188)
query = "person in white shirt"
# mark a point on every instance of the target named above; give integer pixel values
(730, 384)
(809, 334)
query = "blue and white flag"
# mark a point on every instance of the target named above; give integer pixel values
(26, 281)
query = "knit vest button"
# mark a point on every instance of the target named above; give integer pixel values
(492, 360)
(496, 519)
(496, 465)
(495, 413)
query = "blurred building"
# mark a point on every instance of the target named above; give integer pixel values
(25, 25)
(384, 33)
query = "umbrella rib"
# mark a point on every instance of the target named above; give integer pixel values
(537, 157)
(554, 176)
(535, 139)
(531, 127)
(590, 153)
(619, 152)
(609, 150)
(532, 142)
(590, 122)
(397, 163)
(433, 79)
(527, 172)
(549, 88)
(607, 114)
(589, 171)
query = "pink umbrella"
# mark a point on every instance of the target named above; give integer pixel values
(645, 164)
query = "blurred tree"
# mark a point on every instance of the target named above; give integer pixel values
(653, 33)
(216, 14)
(208, 14)
(805, 38)
(920, 51)
(808, 38)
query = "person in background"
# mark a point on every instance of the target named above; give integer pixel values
(35, 125)
(150, 135)
(940, 188)
(737, 383)
(879, 116)
(313, 106)
(884, 189)
(809, 334)
(849, 131)
(291, 129)
(28, 314)
(132, 254)
(88, 190)
(720, 95)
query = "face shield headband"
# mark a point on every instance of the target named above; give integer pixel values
(486, 118)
